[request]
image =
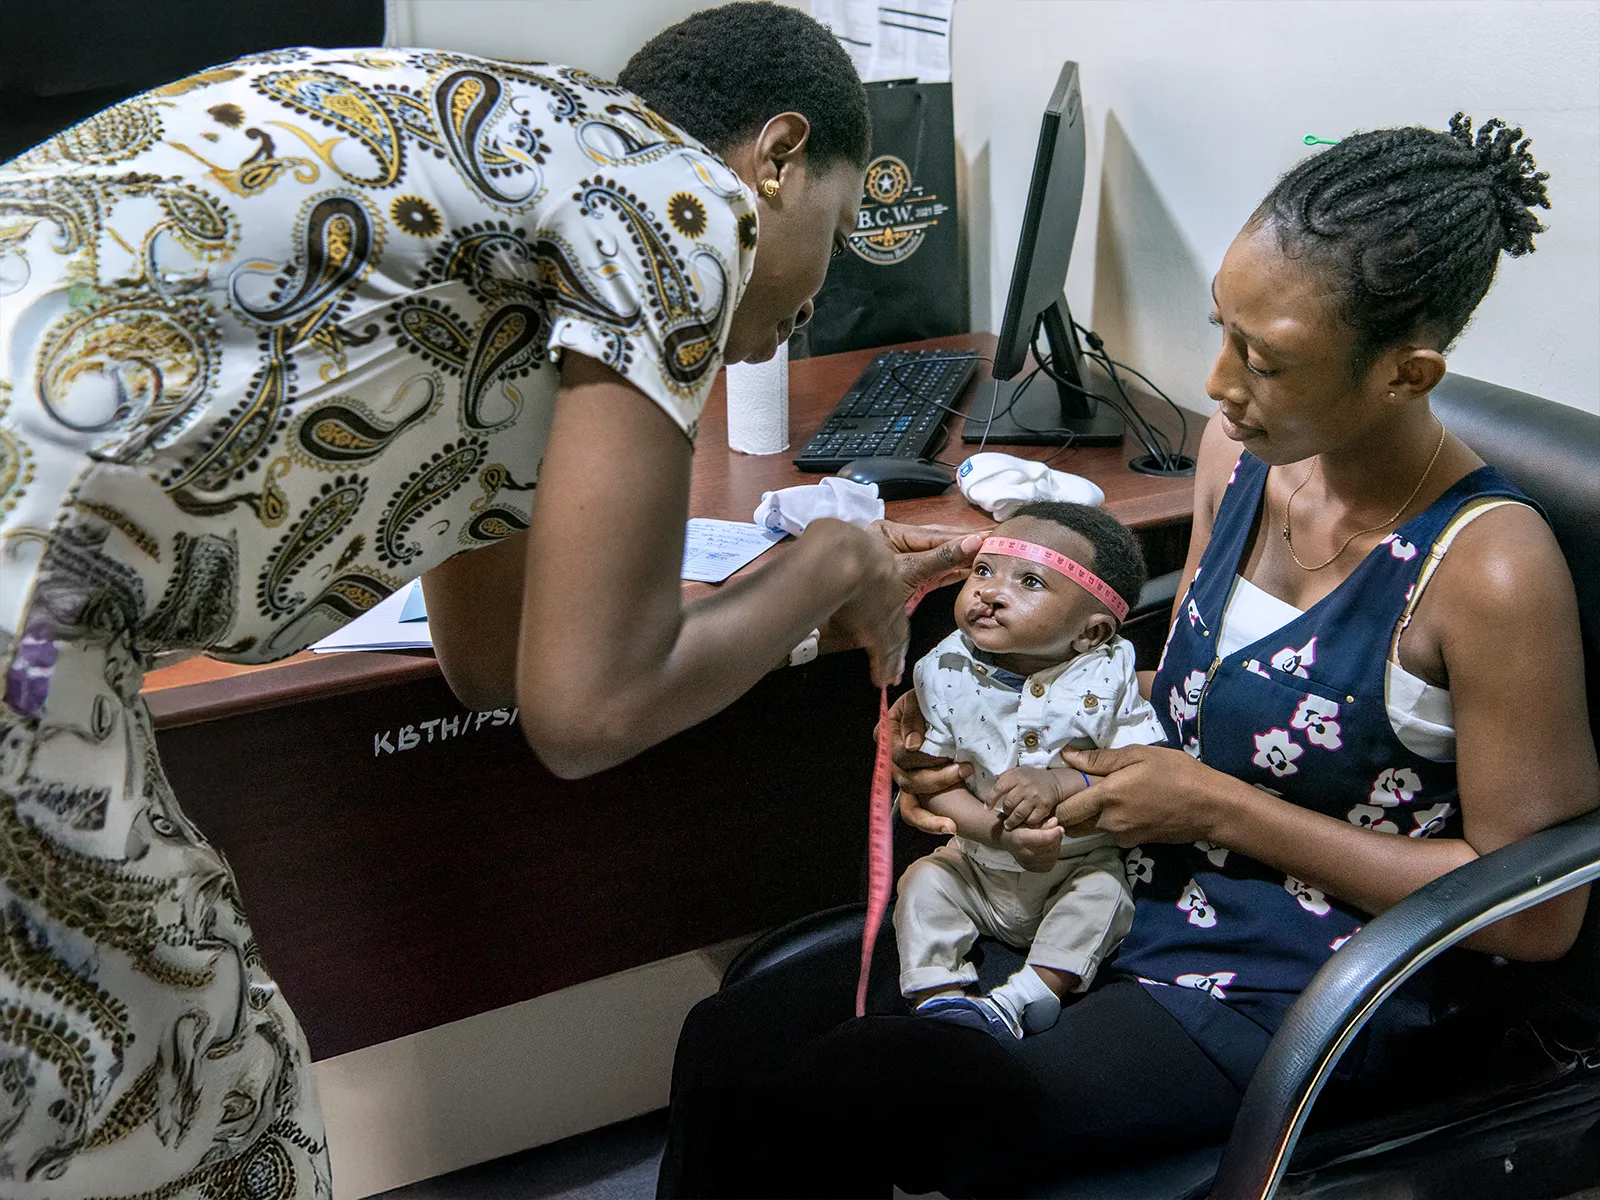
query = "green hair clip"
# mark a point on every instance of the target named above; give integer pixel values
(1312, 139)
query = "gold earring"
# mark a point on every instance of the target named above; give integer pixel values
(769, 188)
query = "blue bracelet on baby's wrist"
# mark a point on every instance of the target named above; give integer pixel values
(1087, 782)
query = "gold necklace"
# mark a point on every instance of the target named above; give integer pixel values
(1289, 508)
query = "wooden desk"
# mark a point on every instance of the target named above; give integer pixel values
(392, 890)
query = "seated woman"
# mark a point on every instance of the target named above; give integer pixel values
(1348, 718)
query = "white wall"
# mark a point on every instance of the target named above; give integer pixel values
(506, 1080)
(1195, 108)
(597, 35)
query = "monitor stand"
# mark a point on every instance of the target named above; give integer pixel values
(1048, 413)
(1037, 419)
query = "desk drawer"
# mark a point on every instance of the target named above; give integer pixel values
(406, 863)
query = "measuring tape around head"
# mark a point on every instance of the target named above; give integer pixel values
(1056, 561)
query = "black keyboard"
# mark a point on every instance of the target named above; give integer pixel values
(895, 409)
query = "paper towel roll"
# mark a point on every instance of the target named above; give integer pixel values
(758, 405)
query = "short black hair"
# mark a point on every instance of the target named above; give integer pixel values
(1409, 225)
(723, 73)
(1117, 557)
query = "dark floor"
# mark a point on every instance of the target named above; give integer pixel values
(618, 1162)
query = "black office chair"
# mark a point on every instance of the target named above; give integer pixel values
(1531, 1130)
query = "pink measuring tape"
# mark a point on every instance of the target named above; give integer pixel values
(1077, 572)
(880, 852)
(880, 827)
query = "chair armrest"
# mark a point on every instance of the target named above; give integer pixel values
(821, 933)
(1387, 951)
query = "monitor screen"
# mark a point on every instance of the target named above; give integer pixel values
(1052, 404)
(1049, 223)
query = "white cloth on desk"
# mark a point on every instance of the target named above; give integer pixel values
(984, 715)
(791, 509)
(1002, 483)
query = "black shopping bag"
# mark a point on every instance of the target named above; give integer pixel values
(902, 277)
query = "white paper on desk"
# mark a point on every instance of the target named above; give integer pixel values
(907, 39)
(713, 550)
(384, 626)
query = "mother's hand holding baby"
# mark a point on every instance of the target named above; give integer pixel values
(1139, 794)
(1142, 794)
(917, 774)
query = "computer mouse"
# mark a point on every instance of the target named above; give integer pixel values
(899, 478)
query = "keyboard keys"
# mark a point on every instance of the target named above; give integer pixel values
(895, 408)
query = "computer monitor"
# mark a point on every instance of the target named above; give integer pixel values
(1049, 410)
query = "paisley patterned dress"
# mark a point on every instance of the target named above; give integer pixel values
(274, 340)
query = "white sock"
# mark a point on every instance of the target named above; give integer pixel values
(1029, 1000)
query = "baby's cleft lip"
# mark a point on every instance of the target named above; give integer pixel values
(983, 616)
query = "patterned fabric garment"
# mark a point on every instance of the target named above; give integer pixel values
(1301, 714)
(274, 339)
(995, 719)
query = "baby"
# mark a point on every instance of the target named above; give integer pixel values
(1035, 666)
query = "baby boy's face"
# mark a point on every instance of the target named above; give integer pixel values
(1026, 610)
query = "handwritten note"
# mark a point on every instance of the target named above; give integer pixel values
(714, 550)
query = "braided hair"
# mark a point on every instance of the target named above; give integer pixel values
(1409, 225)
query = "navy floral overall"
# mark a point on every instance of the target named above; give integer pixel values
(1301, 714)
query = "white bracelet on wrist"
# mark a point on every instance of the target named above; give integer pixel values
(806, 651)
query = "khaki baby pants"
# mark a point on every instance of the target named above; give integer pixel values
(1069, 917)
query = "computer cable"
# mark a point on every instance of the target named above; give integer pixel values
(894, 375)
(1100, 354)
(1174, 455)
(1072, 439)
(1165, 458)
(1157, 445)
(995, 412)
(1177, 410)
(1097, 345)
(1151, 439)
(1016, 396)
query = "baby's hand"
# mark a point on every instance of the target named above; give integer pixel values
(1034, 849)
(1028, 796)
